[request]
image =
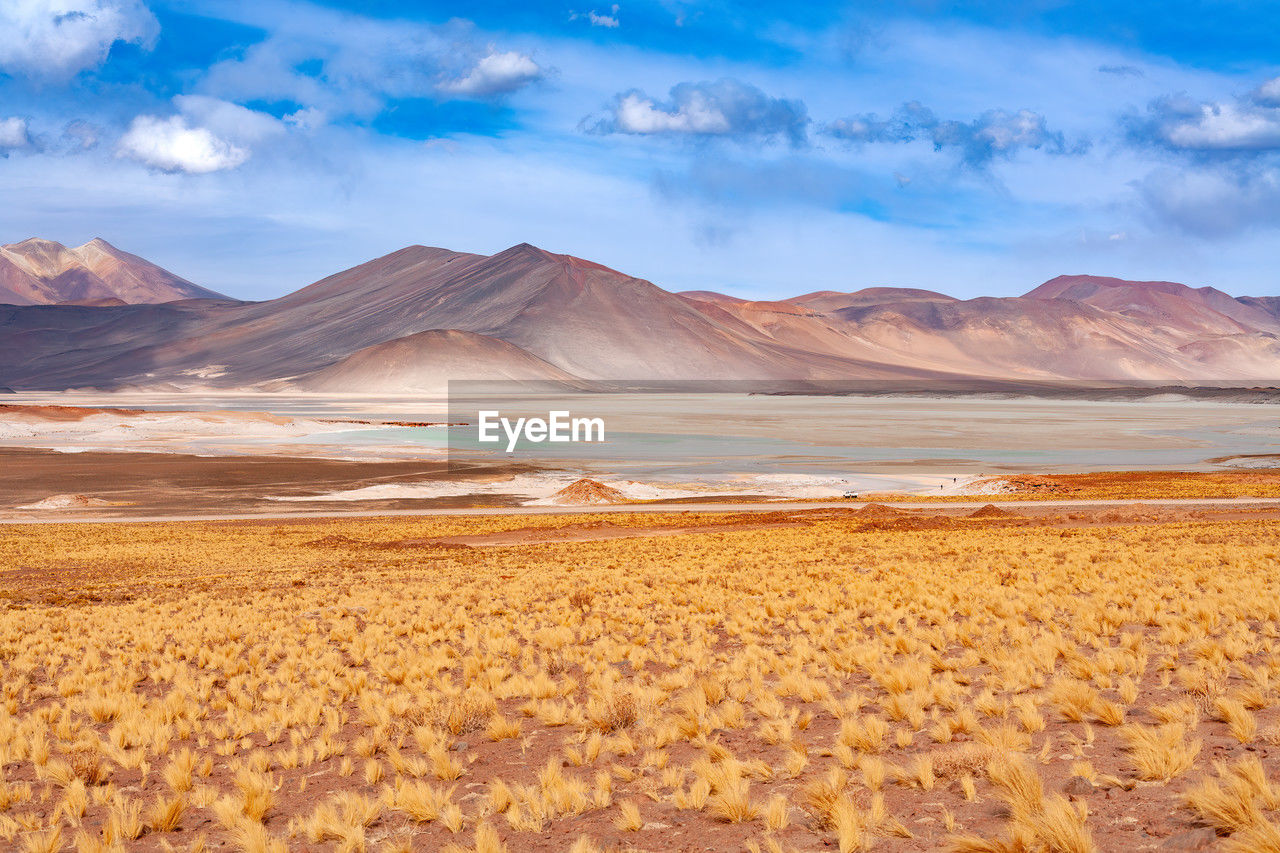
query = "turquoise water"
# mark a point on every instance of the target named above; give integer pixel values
(1018, 438)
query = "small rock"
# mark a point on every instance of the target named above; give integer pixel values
(1077, 786)
(460, 746)
(1194, 839)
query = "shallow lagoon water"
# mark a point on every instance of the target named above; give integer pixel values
(673, 437)
(682, 437)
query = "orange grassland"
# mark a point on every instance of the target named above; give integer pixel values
(823, 684)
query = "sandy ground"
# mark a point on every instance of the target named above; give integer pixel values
(80, 429)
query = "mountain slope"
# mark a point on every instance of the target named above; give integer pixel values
(426, 361)
(1041, 339)
(42, 272)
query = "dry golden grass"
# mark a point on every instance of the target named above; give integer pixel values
(350, 685)
(1121, 485)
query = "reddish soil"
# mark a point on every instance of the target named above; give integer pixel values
(63, 413)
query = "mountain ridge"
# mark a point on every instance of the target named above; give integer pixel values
(400, 320)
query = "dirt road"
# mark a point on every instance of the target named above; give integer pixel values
(725, 506)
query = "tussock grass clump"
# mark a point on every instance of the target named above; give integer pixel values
(1161, 752)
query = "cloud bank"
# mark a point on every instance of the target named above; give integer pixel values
(13, 135)
(995, 133)
(59, 38)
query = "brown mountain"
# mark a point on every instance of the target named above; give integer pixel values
(42, 272)
(1161, 302)
(1047, 335)
(831, 300)
(421, 315)
(1269, 304)
(711, 296)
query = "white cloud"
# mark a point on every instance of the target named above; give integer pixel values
(700, 114)
(1004, 131)
(609, 21)
(172, 145)
(307, 118)
(1244, 125)
(13, 134)
(722, 108)
(209, 135)
(227, 120)
(346, 65)
(59, 38)
(1268, 94)
(496, 74)
(1225, 126)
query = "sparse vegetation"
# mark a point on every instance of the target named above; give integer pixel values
(346, 685)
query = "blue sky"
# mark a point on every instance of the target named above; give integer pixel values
(758, 148)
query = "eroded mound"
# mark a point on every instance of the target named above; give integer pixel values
(992, 511)
(587, 492)
(879, 511)
(67, 502)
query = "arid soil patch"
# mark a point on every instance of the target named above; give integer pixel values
(179, 484)
(1121, 485)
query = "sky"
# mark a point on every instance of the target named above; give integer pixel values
(760, 148)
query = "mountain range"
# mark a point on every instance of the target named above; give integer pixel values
(412, 319)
